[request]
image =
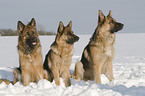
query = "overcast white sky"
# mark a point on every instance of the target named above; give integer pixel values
(82, 13)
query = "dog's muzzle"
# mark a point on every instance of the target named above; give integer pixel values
(72, 40)
(31, 42)
(117, 27)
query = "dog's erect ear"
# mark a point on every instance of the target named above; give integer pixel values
(20, 26)
(101, 17)
(60, 28)
(32, 23)
(110, 14)
(70, 24)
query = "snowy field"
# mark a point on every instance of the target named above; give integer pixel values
(128, 67)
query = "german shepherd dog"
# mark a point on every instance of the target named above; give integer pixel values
(30, 55)
(98, 54)
(58, 60)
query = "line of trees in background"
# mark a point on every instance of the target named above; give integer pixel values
(10, 32)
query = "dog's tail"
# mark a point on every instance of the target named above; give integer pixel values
(78, 73)
(16, 73)
(6, 81)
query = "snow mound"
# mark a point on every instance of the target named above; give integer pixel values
(128, 70)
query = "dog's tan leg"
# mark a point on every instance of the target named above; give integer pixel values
(56, 76)
(25, 78)
(46, 76)
(97, 62)
(109, 70)
(40, 74)
(97, 73)
(17, 75)
(78, 72)
(66, 78)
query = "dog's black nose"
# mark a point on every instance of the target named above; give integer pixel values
(77, 38)
(121, 24)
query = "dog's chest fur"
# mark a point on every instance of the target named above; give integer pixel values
(63, 57)
(28, 61)
(105, 44)
(108, 50)
(108, 45)
(63, 53)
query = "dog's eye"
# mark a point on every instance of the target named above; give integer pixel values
(33, 32)
(111, 21)
(69, 33)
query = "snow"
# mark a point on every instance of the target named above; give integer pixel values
(128, 68)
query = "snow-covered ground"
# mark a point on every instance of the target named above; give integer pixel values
(128, 67)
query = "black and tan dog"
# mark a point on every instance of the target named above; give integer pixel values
(58, 60)
(98, 54)
(30, 55)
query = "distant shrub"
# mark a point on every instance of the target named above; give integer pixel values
(10, 32)
(46, 33)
